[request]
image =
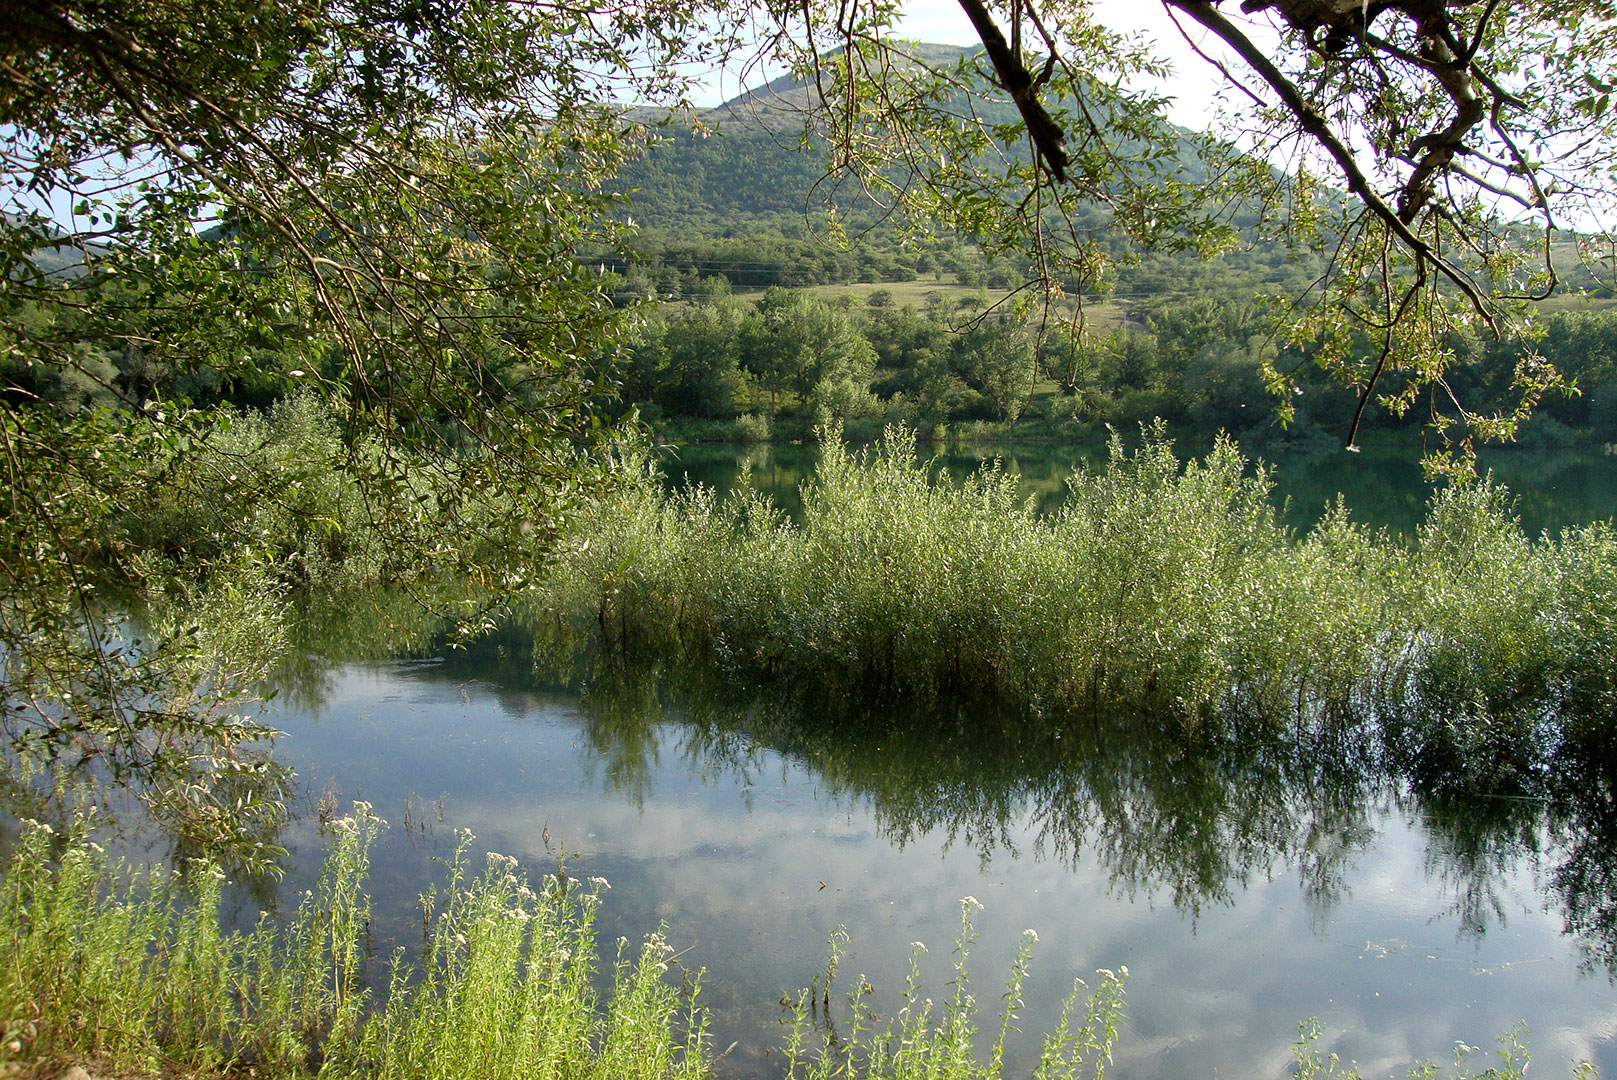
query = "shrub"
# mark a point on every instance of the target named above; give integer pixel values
(1481, 661)
(752, 428)
(1170, 589)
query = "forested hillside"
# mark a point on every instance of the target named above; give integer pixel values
(736, 211)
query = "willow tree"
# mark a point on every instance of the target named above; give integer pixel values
(374, 203)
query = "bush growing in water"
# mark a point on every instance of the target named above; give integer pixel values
(1164, 587)
(752, 428)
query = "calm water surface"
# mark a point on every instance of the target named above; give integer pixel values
(1382, 483)
(1244, 889)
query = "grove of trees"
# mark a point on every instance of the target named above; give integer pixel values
(802, 358)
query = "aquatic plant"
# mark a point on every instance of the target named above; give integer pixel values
(1167, 588)
(1513, 1055)
(928, 1041)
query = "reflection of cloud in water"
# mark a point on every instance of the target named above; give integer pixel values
(736, 874)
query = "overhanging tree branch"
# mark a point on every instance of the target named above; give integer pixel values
(1013, 75)
(1313, 124)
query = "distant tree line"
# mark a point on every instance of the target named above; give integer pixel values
(794, 358)
(663, 266)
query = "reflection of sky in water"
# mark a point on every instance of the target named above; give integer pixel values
(734, 860)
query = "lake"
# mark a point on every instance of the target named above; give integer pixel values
(1245, 888)
(1381, 483)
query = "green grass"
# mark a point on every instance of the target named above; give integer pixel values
(1103, 316)
(904, 293)
(131, 971)
(1574, 302)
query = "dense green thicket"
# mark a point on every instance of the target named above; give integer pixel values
(791, 359)
(1157, 588)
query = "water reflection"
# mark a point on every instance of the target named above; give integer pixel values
(1192, 820)
(1247, 883)
(1582, 821)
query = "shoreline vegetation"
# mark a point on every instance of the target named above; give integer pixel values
(1471, 655)
(1173, 590)
(129, 971)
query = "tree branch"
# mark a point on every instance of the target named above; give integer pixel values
(1047, 136)
(1312, 123)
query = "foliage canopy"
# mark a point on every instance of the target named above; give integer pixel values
(374, 204)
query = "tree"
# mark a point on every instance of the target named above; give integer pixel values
(797, 341)
(1438, 152)
(380, 202)
(703, 346)
(996, 357)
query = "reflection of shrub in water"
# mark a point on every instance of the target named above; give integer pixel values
(1189, 820)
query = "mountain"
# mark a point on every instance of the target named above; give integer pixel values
(55, 252)
(780, 103)
(743, 194)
